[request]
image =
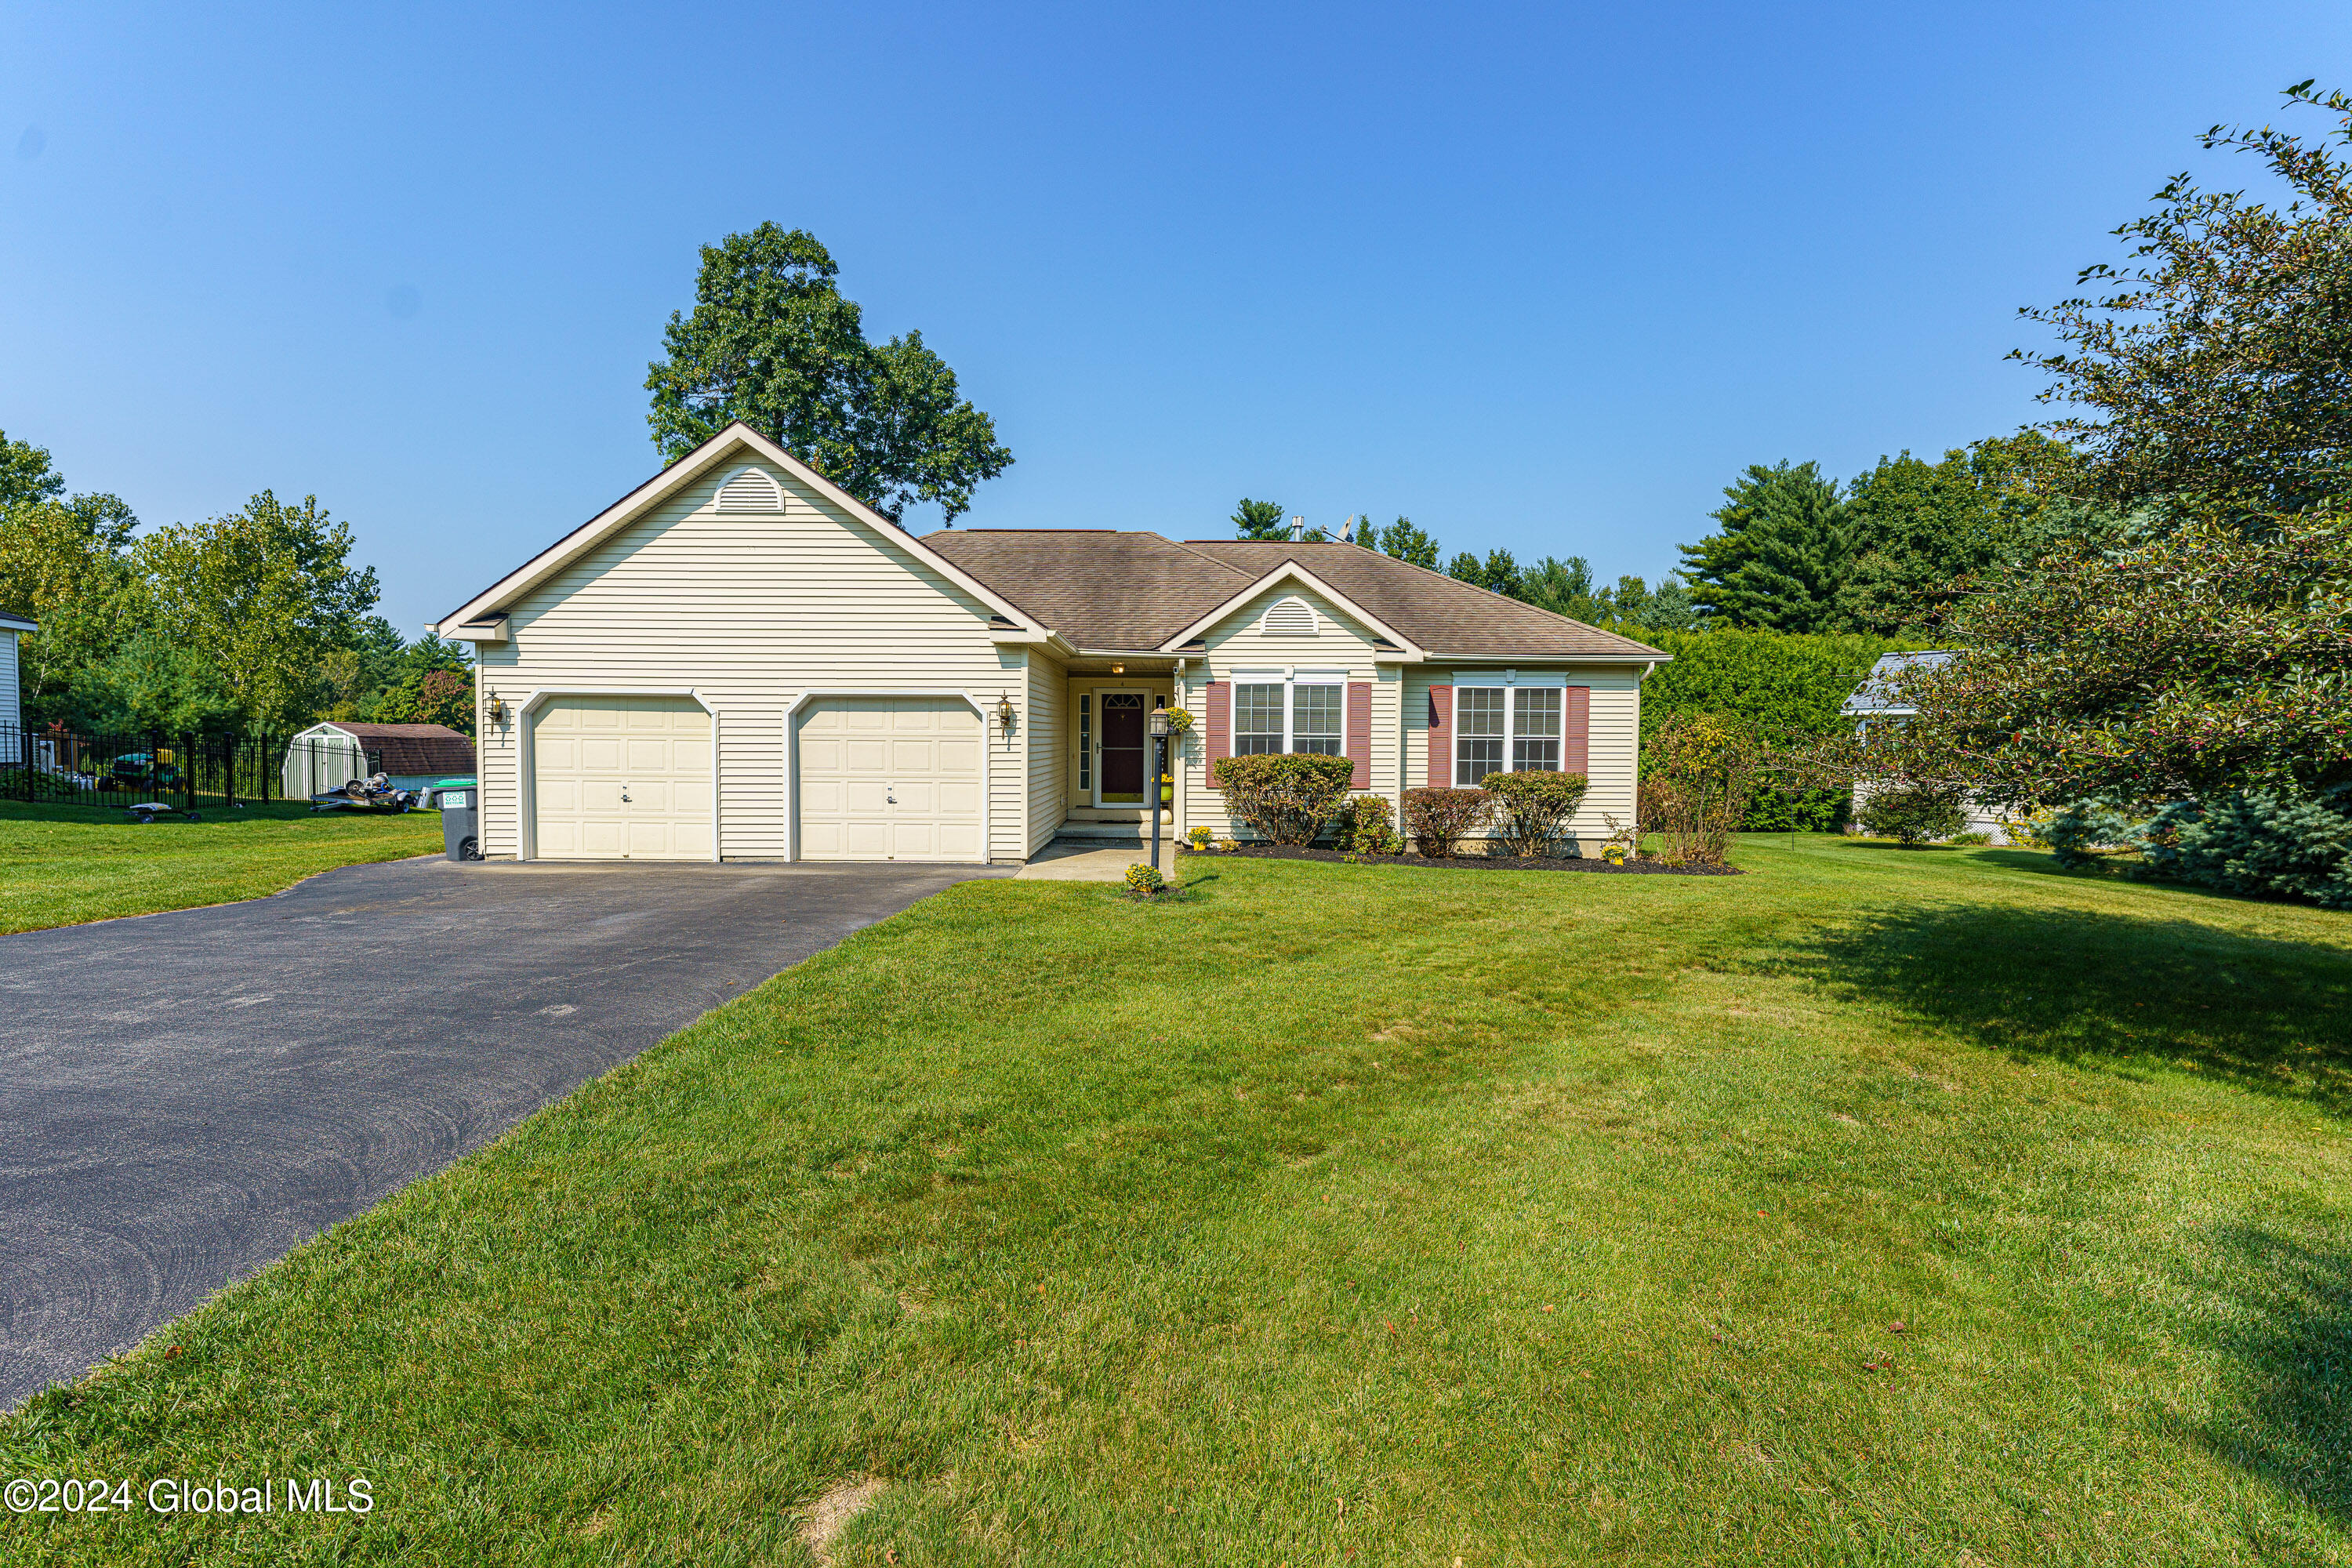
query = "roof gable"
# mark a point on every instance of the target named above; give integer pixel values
(736, 442)
(1252, 603)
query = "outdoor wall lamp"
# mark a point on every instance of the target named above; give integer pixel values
(498, 709)
(1005, 715)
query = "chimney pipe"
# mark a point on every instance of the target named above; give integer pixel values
(1298, 529)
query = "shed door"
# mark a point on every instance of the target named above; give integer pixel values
(622, 778)
(890, 778)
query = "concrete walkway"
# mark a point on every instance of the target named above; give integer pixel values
(1078, 861)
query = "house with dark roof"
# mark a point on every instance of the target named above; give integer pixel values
(739, 660)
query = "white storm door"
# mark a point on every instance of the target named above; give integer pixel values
(890, 778)
(622, 778)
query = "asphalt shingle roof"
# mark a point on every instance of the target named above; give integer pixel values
(1105, 589)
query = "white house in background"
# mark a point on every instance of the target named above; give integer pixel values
(11, 697)
(739, 660)
(1876, 702)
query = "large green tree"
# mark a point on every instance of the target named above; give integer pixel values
(1922, 530)
(64, 561)
(772, 343)
(2208, 647)
(1782, 549)
(265, 596)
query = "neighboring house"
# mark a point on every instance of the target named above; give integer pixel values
(411, 756)
(1875, 701)
(12, 703)
(738, 661)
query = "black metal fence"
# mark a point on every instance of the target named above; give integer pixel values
(188, 772)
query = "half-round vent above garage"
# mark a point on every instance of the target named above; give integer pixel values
(753, 489)
(1289, 618)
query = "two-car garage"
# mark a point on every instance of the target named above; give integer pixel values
(871, 777)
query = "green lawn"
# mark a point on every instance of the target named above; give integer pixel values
(62, 865)
(1357, 1214)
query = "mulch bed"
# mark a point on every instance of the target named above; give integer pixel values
(1462, 862)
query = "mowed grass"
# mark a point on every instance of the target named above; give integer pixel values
(1351, 1214)
(62, 865)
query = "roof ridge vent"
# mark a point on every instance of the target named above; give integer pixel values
(751, 489)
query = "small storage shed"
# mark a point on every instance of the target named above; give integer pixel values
(412, 756)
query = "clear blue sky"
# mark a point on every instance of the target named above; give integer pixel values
(1541, 277)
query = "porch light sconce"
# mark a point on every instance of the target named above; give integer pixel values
(1005, 715)
(498, 709)
(1118, 670)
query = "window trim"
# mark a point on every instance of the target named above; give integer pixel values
(1290, 680)
(1508, 683)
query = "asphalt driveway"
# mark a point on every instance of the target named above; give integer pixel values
(186, 1097)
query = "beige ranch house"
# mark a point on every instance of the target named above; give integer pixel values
(738, 661)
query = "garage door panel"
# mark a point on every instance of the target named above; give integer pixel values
(621, 777)
(904, 786)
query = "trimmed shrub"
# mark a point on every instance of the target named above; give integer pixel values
(1532, 808)
(1364, 826)
(1145, 879)
(1438, 820)
(2257, 842)
(1915, 814)
(1288, 797)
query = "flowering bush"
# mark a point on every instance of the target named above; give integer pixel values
(1145, 879)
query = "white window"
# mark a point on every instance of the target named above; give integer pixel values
(1505, 728)
(1290, 713)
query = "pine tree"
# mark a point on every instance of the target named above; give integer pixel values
(1786, 545)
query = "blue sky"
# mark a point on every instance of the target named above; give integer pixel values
(1540, 277)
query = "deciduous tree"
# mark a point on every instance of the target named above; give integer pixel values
(772, 343)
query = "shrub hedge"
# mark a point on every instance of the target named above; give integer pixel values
(1531, 809)
(1288, 797)
(1438, 820)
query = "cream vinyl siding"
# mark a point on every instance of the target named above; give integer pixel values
(748, 610)
(1614, 736)
(1238, 643)
(1044, 729)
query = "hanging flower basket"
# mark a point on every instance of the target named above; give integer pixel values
(1179, 721)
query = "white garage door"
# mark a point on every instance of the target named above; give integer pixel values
(622, 778)
(890, 778)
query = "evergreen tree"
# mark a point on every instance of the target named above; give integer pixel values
(1408, 543)
(1259, 520)
(1785, 547)
(1498, 574)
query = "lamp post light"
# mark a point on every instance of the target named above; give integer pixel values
(1161, 730)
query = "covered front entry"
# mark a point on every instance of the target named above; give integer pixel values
(621, 778)
(890, 778)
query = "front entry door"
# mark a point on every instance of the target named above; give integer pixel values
(1120, 779)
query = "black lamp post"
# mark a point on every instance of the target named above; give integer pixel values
(1161, 730)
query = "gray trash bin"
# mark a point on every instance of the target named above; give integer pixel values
(460, 825)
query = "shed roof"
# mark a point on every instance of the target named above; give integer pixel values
(410, 748)
(1876, 693)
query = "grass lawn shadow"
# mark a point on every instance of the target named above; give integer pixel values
(2283, 1314)
(2098, 989)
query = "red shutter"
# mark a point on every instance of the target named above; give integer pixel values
(1221, 725)
(1440, 737)
(1576, 731)
(1359, 733)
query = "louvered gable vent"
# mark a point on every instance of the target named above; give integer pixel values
(750, 491)
(1290, 619)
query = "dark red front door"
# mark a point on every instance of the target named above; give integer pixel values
(1122, 748)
